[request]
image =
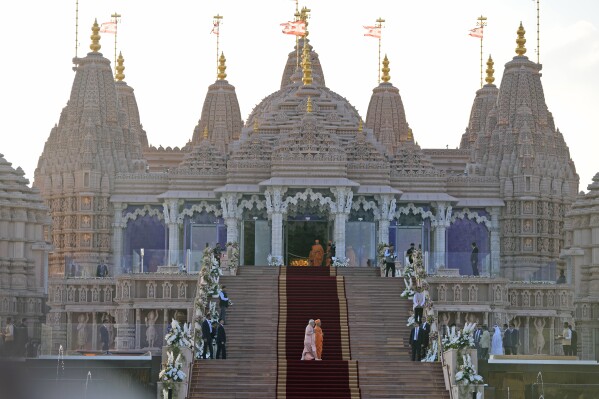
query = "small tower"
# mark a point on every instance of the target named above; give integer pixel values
(386, 115)
(221, 115)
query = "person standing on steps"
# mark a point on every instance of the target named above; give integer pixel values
(221, 340)
(426, 329)
(484, 343)
(316, 254)
(309, 352)
(410, 253)
(573, 342)
(418, 306)
(329, 254)
(318, 338)
(474, 259)
(104, 336)
(223, 303)
(207, 336)
(416, 337)
(390, 260)
(511, 340)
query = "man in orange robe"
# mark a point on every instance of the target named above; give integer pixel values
(318, 340)
(316, 254)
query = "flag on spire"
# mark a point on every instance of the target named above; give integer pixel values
(476, 32)
(373, 31)
(108, 27)
(297, 28)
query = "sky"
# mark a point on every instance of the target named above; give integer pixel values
(170, 60)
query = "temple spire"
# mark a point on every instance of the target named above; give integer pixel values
(521, 40)
(490, 71)
(222, 67)
(386, 77)
(95, 46)
(306, 61)
(120, 68)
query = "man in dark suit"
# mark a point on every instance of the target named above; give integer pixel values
(573, 342)
(221, 340)
(426, 329)
(474, 259)
(410, 253)
(104, 336)
(477, 335)
(207, 336)
(512, 339)
(416, 338)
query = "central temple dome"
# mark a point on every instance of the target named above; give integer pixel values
(282, 110)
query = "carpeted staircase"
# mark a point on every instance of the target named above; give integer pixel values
(266, 327)
(314, 293)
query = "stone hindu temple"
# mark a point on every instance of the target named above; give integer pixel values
(306, 165)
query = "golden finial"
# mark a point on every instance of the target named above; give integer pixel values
(490, 78)
(205, 132)
(360, 126)
(410, 134)
(386, 77)
(120, 68)
(306, 64)
(521, 40)
(95, 46)
(221, 67)
(309, 105)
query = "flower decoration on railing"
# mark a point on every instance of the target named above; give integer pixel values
(456, 339)
(380, 256)
(276, 261)
(171, 372)
(467, 375)
(340, 262)
(208, 286)
(179, 336)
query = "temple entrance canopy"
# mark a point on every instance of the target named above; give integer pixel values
(299, 237)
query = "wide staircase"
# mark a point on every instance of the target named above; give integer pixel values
(366, 341)
(380, 340)
(250, 370)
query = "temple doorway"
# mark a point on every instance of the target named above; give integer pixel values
(299, 236)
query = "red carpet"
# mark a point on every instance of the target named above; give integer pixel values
(311, 293)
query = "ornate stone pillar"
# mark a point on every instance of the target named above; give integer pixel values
(228, 204)
(125, 330)
(495, 247)
(117, 238)
(440, 224)
(387, 204)
(552, 336)
(138, 328)
(526, 337)
(69, 332)
(94, 331)
(171, 213)
(276, 208)
(341, 209)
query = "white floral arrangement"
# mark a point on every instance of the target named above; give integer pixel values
(467, 375)
(432, 354)
(380, 255)
(178, 336)
(411, 320)
(340, 262)
(456, 339)
(171, 373)
(276, 261)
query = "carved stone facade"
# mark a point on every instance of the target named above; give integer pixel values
(582, 257)
(24, 226)
(304, 155)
